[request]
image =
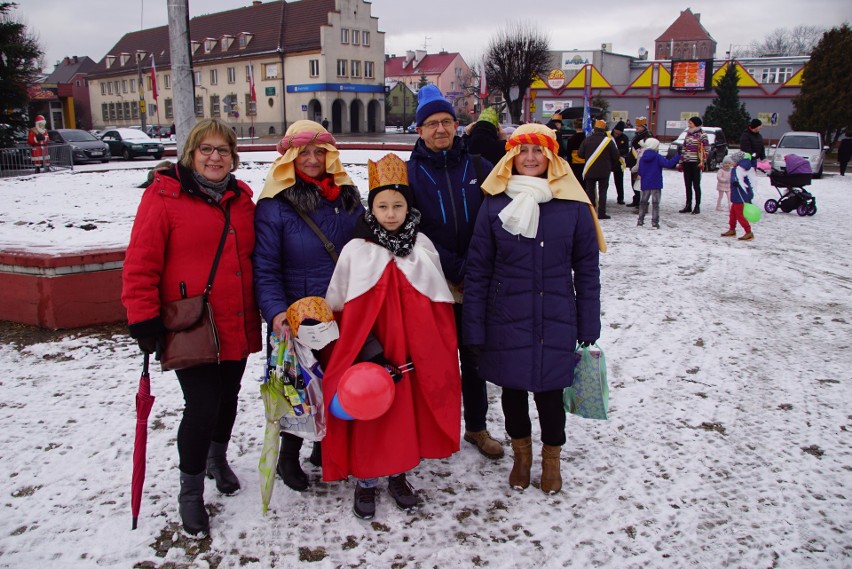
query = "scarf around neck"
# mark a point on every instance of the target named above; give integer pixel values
(521, 215)
(326, 186)
(400, 243)
(213, 189)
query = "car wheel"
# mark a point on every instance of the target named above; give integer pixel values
(819, 174)
(158, 156)
(771, 206)
(126, 154)
(105, 160)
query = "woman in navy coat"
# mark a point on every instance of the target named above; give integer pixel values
(290, 261)
(532, 291)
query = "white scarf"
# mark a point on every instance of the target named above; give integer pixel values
(522, 213)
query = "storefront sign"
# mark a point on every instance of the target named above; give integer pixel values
(556, 79)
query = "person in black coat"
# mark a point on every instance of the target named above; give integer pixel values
(623, 146)
(751, 142)
(486, 137)
(601, 156)
(571, 147)
(844, 151)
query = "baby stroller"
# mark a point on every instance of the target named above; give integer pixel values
(793, 179)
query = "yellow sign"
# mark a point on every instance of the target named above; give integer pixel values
(688, 115)
(532, 107)
(556, 79)
(142, 106)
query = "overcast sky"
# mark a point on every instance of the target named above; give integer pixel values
(93, 27)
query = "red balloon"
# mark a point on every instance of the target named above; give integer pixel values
(366, 391)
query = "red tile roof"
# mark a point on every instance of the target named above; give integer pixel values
(685, 27)
(300, 32)
(430, 65)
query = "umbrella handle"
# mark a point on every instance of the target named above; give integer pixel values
(145, 360)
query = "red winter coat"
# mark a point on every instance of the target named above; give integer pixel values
(174, 239)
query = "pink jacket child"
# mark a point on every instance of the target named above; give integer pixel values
(723, 183)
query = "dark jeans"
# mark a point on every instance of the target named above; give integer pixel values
(843, 164)
(692, 181)
(618, 176)
(551, 415)
(211, 393)
(474, 393)
(602, 184)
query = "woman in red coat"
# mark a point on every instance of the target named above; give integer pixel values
(172, 247)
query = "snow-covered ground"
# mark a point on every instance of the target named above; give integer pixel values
(728, 445)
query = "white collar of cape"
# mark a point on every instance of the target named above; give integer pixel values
(362, 263)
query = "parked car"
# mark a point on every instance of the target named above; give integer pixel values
(130, 143)
(155, 130)
(630, 133)
(84, 146)
(715, 154)
(808, 145)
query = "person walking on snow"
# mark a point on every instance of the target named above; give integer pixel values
(743, 183)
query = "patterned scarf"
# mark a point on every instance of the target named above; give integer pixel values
(400, 243)
(213, 189)
(327, 188)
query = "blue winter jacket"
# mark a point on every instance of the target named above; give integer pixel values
(528, 301)
(742, 191)
(650, 169)
(290, 262)
(447, 192)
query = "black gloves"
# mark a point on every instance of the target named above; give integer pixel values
(149, 335)
(587, 343)
(151, 345)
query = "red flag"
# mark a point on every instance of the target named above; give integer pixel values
(153, 77)
(251, 83)
(483, 88)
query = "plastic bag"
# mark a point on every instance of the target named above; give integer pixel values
(588, 395)
(301, 377)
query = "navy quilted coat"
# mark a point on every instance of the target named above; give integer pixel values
(289, 259)
(447, 193)
(527, 301)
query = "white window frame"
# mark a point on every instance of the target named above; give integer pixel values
(344, 35)
(369, 70)
(342, 67)
(214, 76)
(232, 75)
(313, 67)
(365, 38)
(268, 69)
(355, 68)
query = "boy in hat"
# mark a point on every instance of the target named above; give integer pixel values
(445, 179)
(388, 291)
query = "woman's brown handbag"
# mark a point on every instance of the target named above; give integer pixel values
(192, 339)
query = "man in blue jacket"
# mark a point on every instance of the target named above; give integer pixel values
(445, 180)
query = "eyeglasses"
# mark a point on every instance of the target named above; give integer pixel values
(446, 123)
(207, 150)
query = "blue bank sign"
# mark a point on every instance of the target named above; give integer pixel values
(338, 87)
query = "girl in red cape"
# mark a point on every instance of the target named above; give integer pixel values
(394, 308)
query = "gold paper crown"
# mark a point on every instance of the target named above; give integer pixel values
(310, 307)
(641, 121)
(388, 171)
(600, 123)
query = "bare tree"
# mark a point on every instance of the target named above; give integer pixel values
(798, 40)
(515, 56)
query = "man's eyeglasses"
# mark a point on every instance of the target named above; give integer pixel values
(207, 150)
(446, 123)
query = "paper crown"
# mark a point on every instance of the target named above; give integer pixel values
(308, 308)
(389, 171)
(641, 121)
(600, 123)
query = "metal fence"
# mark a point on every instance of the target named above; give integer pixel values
(18, 161)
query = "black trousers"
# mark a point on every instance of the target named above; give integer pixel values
(692, 181)
(602, 184)
(474, 392)
(618, 177)
(211, 393)
(551, 415)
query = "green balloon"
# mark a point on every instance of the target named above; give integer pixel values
(751, 212)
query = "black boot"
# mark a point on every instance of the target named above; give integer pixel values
(217, 467)
(193, 514)
(289, 468)
(686, 209)
(696, 209)
(316, 455)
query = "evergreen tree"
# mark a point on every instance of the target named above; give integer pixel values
(824, 104)
(726, 111)
(19, 57)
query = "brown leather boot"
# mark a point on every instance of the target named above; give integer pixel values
(519, 478)
(485, 443)
(551, 478)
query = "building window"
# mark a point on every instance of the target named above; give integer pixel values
(197, 78)
(314, 67)
(776, 74)
(169, 112)
(112, 113)
(355, 68)
(103, 88)
(119, 111)
(117, 86)
(109, 88)
(199, 106)
(109, 61)
(134, 110)
(214, 106)
(365, 38)
(194, 46)
(251, 106)
(341, 68)
(344, 35)
(152, 109)
(133, 85)
(270, 71)
(244, 40)
(226, 42)
(356, 37)
(229, 104)
(209, 45)
(105, 111)
(127, 110)
(214, 76)
(368, 70)
(167, 81)
(232, 75)
(124, 85)
(249, 72)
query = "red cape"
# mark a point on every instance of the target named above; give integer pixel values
(424, 420)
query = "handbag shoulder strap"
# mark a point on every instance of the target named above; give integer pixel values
(219, 250)
(326, 243)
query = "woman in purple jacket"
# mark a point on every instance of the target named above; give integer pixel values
(290, 261)
(532, 290)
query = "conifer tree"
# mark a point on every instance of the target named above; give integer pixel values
(824, 103)
(726, 111)
(19, 57)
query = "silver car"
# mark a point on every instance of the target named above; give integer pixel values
(808, 145)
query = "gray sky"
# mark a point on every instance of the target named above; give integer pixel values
(92, 27)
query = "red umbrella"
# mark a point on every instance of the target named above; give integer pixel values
(144, 402)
